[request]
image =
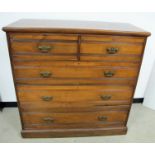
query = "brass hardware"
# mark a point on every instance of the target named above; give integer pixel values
(109, 73)
(112, 50)
(45, 74)
(102, 118)
(48, 120)
(47, 98)
(44, 48)
(105, 97)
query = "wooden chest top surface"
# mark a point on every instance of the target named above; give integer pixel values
(71, 26)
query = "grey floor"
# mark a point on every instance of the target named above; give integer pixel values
(141, 128)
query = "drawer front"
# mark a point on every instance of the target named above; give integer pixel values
(111, 48)
(59, 120)
(75, 72)
(34, 47)
(73, 78)
(71, 94)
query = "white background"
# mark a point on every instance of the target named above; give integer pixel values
(143, 20)
(80, 5)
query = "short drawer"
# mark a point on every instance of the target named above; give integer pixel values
(42, 47)
(72, 94)
(75, 72)
(86, 119)
(111, 48)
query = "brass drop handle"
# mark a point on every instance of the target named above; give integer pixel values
(48, 120)
(45, 74)
(105, 97)
(112, 50)
(44, 48)
(109, 73)
(47, 98)
(102, 118)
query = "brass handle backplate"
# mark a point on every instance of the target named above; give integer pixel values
(45, 74)
(48, 120)
(112, 50)
(44, 48)
(109, 73)
(47, 98)
(102, 118)
(105, 97)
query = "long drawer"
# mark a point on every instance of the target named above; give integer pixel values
(69, 94)
(66, 67)
(72, 120)
(75, 72)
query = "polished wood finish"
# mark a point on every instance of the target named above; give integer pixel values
(74, 27)
(75, 72)
(101, 48)
(74, 78)
(71, 94)
(58, 120)
(33, 48)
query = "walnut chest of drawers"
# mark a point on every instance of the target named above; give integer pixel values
(74, 78)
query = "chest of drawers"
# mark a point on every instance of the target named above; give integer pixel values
(74, 78)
